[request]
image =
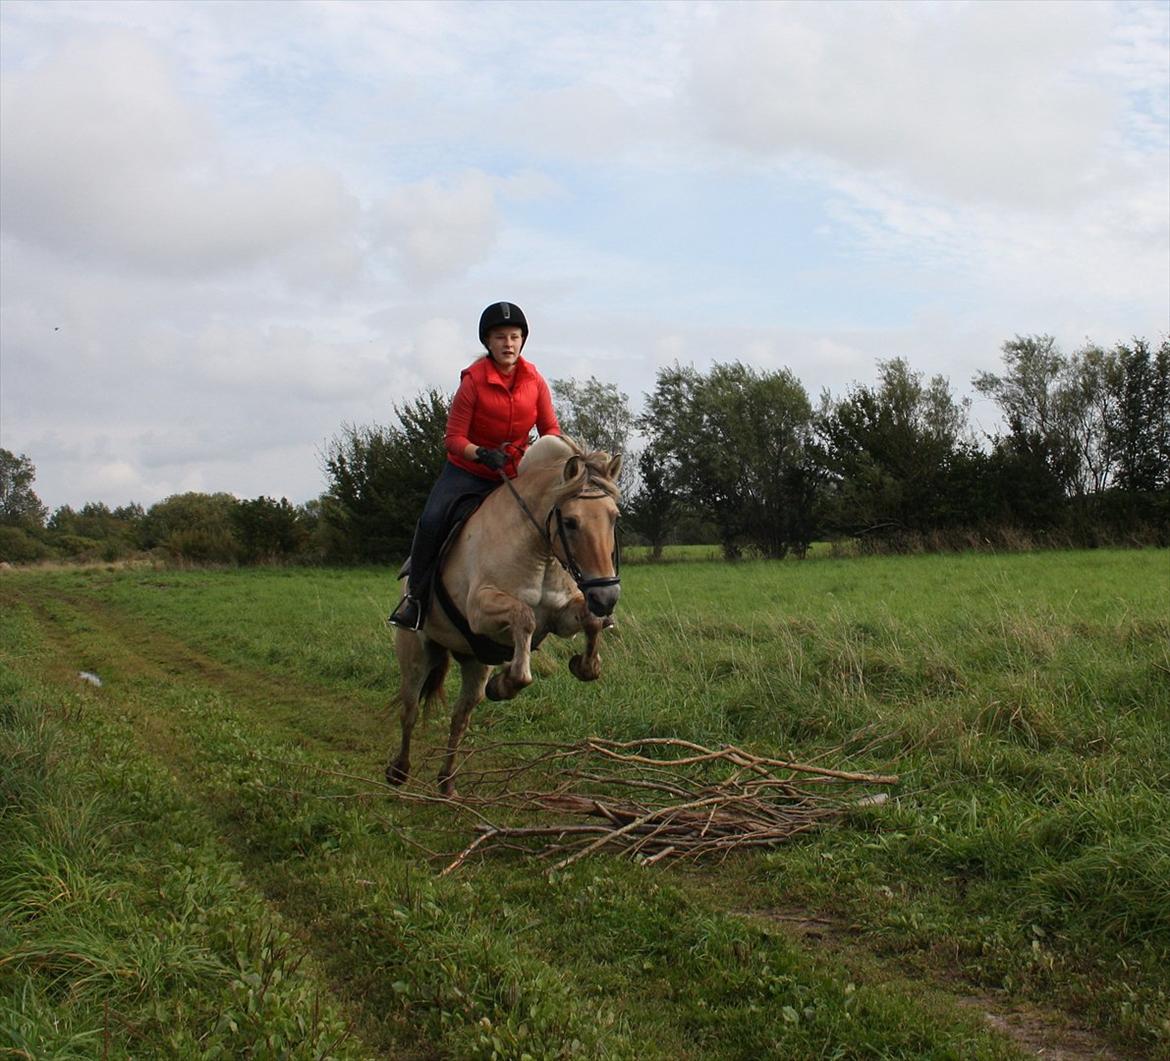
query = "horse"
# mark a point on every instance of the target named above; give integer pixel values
(538, 557)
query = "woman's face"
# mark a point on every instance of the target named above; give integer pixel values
(504, 345)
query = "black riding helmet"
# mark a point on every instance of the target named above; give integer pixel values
(502, 315)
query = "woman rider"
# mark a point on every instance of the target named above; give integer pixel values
(501, 397)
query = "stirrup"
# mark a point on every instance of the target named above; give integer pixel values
(408, 615)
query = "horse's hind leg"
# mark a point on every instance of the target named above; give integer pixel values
(423, 665)
(474, 676)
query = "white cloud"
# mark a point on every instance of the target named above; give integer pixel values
(105, 159)
(986, 102)
(1112, 250)
(441, 349)
(284, 362)
(589, 122)
(438, 230)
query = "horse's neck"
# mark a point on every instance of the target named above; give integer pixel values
(501, 542)
(536, 490)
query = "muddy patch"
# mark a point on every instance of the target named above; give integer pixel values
(1047, 1034)
(1043, 1033)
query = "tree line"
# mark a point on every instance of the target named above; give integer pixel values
(736, 456)
(1083, 457)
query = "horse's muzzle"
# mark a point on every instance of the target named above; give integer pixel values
(602, 600)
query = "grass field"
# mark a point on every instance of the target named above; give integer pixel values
(191, 865)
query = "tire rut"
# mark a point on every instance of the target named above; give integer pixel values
(138, 654)
(345, 724)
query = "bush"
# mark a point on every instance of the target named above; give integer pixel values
(194, 526)
(19, 547)
(379, 479)
(269, 530)
(203, 545)
(77, 546)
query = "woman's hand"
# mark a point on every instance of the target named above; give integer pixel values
(493, 458)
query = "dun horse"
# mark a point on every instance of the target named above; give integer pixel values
(537, 558)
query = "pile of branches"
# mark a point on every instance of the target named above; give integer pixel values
(653, 799)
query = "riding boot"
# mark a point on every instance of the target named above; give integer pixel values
(430, 532)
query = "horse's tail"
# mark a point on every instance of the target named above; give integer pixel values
(422, 666)
(432, 686)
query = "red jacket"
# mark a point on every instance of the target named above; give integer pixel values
(498, 411)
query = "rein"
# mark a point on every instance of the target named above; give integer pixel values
(569, 563)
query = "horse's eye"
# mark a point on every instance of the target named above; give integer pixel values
(571, 524)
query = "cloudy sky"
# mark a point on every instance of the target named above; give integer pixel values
(230, 228)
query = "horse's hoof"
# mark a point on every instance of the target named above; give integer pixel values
(396, 774)
(582, 673)
(496, 688)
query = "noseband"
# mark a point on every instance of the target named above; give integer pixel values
(569, 563)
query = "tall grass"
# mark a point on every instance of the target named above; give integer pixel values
(1025, 700)
(123, 928)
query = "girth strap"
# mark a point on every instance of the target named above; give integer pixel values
(484, 648)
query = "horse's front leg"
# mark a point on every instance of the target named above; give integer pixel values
(586, 666)
(493, 612)
(573, 617)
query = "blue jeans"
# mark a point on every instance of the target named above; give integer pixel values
(453, 485)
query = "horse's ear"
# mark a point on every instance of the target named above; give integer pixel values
(615, 468)
(572, 468)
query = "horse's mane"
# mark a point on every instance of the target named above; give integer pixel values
(549, 450)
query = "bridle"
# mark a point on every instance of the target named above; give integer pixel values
(569, 561)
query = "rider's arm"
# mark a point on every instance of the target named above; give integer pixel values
(546, 416)
(459, 420)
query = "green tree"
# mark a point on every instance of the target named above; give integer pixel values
(18, 546)
(114, 533)
(595, 414)
(1088, 422)
(735, 443)
(1037, 406)
(1138, 419)
(19, 505)
(1016, 487)
(889, 453)
(379, 478)
(194, 526)
(1086, 402)
(309, 516)
(1027, 390)
(269, 530)
(651, 509)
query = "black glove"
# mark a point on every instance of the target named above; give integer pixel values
(493, 458)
